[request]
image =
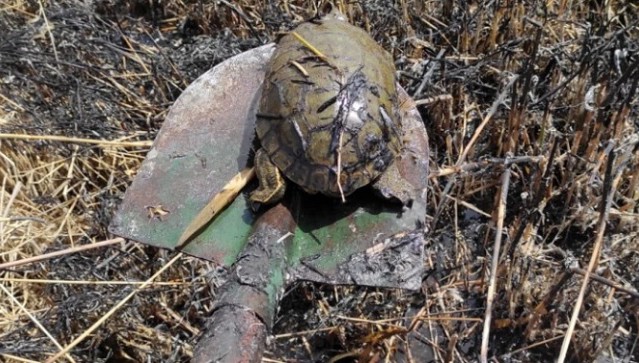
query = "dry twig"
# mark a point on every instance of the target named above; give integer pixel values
(67, 251)
(499, 231)
(220, 201)
(604, 212)
(76, 140)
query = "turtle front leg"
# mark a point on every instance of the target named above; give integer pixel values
(393, 185)
(271, 182)
(406, 179)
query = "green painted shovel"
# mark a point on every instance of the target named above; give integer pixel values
(205, 141)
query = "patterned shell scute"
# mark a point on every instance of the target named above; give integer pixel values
(313, 112)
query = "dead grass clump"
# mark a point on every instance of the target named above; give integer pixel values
(89, 92)
(542, 92)
(558, 94)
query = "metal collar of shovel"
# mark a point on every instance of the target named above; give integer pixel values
(204, 141)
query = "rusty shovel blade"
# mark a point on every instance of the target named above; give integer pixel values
(206, 139)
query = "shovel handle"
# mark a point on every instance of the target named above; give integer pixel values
(233, 335)
(246, 303)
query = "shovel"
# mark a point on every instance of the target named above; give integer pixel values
(205, 140)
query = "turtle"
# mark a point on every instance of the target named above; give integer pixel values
(328, 118)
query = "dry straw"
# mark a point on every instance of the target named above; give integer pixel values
(528, 89)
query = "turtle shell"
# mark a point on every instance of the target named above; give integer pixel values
(329, 115)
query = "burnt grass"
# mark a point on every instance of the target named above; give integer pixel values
(533, 101)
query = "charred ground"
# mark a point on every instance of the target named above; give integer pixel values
(550, 90)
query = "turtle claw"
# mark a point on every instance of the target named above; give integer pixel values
(272, 185)
(255, 206)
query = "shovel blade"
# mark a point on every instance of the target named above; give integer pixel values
(204, 141)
